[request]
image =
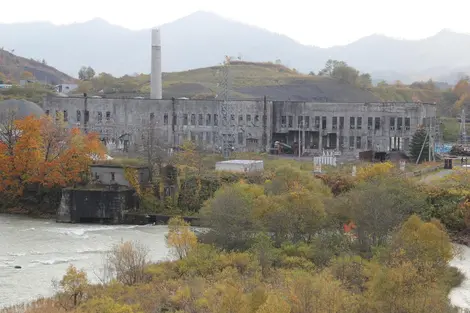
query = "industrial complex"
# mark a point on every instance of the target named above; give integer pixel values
(245, 125)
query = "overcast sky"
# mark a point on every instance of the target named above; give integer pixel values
(322, 23)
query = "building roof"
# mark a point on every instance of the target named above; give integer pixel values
(22, 108)
(244, 162)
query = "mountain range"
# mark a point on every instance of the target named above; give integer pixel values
(203, 39)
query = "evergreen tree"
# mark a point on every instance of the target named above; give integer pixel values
(419, 138)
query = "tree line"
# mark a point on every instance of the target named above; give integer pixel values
(292, 242)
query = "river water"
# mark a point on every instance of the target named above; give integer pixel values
(44, 249)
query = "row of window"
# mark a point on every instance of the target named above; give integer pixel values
(187, 119)
(354, 122)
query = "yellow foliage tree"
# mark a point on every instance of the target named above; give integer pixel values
(180, 239)
(374, 170)
(74, 285)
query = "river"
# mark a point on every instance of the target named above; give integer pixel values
(44, 249)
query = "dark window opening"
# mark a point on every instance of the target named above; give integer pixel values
(152, 117)
(185, 119)
(291, 121)
(351, 142)
(216, 120)
(283, 121)
(352, 122)
(370, 122)
(307, 121)
(79, 115)
(341, 122)
(165, 119)
(200, 120)
(317, 121)
(208, 120)
(358, 142)
(66, 116)
(100, 117)
(392, 123)
(113, 176)
(193, 119)
(407, 123)
(240, 119)
(248, 118)
(377, 123)
(334, 122)
(300, 120)
(240, 138)
(47, 112)
(323, 122)
(400, 123)
(257, 118)
(175, 119)
(359, 123)
(108, 115)
(87, 116)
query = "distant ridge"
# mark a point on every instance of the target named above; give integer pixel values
(202, 39)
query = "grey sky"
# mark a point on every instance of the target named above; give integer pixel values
(321, 23)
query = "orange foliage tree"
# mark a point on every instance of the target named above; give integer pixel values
(45, 154)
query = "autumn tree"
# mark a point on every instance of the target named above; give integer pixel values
(180, 239)
(73, 287)
(127, 262)
(27, 75)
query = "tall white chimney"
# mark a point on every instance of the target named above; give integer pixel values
(156, 74)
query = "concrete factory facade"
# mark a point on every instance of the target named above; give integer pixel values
(256, 125)
(252, 125)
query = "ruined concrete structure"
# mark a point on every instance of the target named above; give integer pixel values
(345, 127)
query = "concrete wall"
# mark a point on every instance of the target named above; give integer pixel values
(257, 123)
(95, 205)
(104, 175)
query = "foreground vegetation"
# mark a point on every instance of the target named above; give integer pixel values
(291, 243)
(39, 156)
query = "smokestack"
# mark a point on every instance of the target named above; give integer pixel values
(156, 74)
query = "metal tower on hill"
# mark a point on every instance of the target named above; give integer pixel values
(227, 116)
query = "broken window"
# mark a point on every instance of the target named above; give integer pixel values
(66, 116)
(185, 119)
(248, 118)
(407, 123)
(79, 115)
(240, 119)
(358, 142)
(87, 116)
(200, 120)
(307, 121)
(400, 123)
(100, 117)
(108, 115)
(165, 119)
(193, 119)
(369, 143)
(323, 122)
(240, 138)
(392, 123)
(377, 123)
(335, 122)
(283, 121)
(256, 119)
(317, 122)
(216, 120)
(352, 122)
(359, 123)
(291, 121)
(341, 122)
(370, 121)
(208, 120)
(351, 142)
